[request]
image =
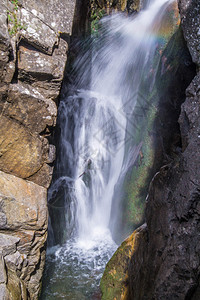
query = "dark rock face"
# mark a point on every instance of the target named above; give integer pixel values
(167, 264)
(170, 265)
(190, 19)
(153, 253)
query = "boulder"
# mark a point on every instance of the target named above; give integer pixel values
(22, 196)
(115, 280)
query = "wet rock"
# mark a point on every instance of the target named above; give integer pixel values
(170, 268)
(170, 265)
(134, 5)
(129, 6)
(189, 113)
(153, 125)
(165, 264)
(115, 280)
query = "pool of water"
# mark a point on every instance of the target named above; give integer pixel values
(73, 271)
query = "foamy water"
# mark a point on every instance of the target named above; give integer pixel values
(74, 271)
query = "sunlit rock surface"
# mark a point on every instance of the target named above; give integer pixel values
(31, 78)
(29, 107)
(23, 226)
(22, 153)
(115, 281)
(33, 55)
(56, 14)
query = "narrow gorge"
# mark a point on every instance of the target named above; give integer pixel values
(99, 150)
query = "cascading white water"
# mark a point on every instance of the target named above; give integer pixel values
(94, 133)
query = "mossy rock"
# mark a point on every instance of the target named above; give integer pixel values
(114, 283)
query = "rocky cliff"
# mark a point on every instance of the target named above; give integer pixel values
(166, 262)
(161, 259)
(33, 53)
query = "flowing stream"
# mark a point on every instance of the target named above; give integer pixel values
(94, 137)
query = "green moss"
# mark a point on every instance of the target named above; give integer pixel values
(14, 24)
(138, 178)
(114, 281)
(96, 15)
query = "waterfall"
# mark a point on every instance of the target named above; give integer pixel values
(95, 136)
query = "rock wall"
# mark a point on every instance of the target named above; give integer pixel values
(166, 264)
(164, 261)
(33, 53)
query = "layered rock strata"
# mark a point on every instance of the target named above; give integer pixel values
(33, 53)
